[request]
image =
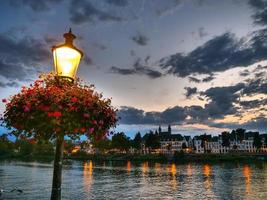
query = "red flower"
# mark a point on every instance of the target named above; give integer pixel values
(74, 100)
(94, 122)
(4, 100)
(26, 108)
(50, 114)
(57, 114)
(83, 130)
(86, 115)
(73, 108)
(91, 130)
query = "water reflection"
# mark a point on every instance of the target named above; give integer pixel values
(145, 167)
(173, 170)
(158, 168)
(247, 176)
(96, 180)
(189, 170)
(129, 166)
(207, 173)
(87, 175)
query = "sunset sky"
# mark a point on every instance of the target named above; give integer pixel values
(199, 65)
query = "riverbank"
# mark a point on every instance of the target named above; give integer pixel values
(177, 158)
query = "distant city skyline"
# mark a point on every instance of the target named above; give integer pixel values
(197, 65)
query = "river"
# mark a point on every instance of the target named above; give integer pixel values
(125, 180)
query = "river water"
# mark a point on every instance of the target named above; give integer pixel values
(125, 180)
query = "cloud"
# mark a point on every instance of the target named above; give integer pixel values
(8, 84)
(99, 46)
(130, 115)
(202, 33)
(253, 103)
(170, 9)
(50, 40)
(137, 69)
(120, 3)
(35, 5)
(190, 91)
(221, 100)
(255, 86)
(260, 11)
(82, 11)
(21, 57)
(140, 39)
(193, 79)
(244, 73)
(218, 54)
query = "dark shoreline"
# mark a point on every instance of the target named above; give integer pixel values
(156, 158)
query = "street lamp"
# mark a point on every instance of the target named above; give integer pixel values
(67, 57)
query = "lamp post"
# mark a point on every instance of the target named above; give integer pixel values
(66, 60)
(67, 57)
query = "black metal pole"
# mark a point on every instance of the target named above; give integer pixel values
(57, 174)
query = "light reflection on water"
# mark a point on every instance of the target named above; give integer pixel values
(127, 180)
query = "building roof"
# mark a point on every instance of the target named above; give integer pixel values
(165, 137)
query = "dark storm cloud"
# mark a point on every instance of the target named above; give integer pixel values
(82, 11)
(130, 115)
(99, 46)
(221, 101)
(244, 73)
(8, 84)
(20, 57)
(218, 54)
(259, 123)
(260, 11)
(193, 79)
(253, 103)
(140, 39)
(208, 78)
(190, 92)
(50, 40)
(122, 71)
(120, 3)
(254, 86)
(204, 80)
(35, 5)
(137, 69)
(87, 60)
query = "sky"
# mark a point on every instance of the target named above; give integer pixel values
(199, 65)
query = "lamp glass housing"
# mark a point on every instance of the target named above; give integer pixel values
(66, 61)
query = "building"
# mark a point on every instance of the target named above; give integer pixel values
(171, 143)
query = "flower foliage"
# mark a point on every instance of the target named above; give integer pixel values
(53, 106)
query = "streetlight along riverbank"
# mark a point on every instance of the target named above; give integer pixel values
(59, 105)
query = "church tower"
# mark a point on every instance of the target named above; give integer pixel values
(169, 129)
(159, 129)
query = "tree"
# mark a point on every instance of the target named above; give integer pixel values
(26, 147)
(53, 108)
(43, 147)
(152, 140)
(240, 133)
(257, 140)
(121, 141)
(225, 139)
(136, 143)
(204, 139)
(102, 145)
